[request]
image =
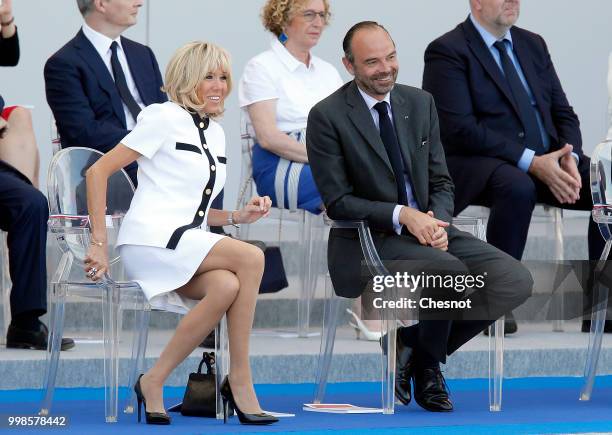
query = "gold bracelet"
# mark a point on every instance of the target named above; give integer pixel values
(93, 242)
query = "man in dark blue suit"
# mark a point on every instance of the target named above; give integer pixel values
(510, 136)
(99, 81)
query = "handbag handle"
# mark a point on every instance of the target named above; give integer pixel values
(208, 358)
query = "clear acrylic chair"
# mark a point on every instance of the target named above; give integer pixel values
(601, 184)
(310, 228)
(550, 214)
(477, 228)
(388, 324)
(70, 223)
(330, 322)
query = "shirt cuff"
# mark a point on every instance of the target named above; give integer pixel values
(576, 157)
(397, 227)
(526, 159)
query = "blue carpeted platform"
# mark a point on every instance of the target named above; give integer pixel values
(531, 406)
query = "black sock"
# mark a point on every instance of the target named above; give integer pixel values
(409, 335)
(424, 360)
(27, 320)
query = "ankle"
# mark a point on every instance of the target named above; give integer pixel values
(151, 380)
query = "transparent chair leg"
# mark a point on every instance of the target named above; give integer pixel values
(559, 308)
(598, 320)
(110, 323)
(389, 332)
(328, 338)
(222, 361)
(303, 303)
(139, 347)
(57, 303)
(496, 364)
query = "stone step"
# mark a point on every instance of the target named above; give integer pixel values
(533, 351)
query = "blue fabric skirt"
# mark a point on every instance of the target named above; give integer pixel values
(264, 171)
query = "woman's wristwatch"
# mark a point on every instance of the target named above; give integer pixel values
(230, 220)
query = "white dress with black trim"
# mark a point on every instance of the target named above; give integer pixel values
(182, 168)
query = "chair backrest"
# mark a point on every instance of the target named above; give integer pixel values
(247, 139)
(601, 187)
(56, 142)
(67, 194)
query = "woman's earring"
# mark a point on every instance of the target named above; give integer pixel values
(283, 37)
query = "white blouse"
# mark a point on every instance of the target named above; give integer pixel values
(610, 98)
(276, 75)
(182, 168)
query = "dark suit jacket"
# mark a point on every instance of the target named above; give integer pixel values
(9, 55)
(83, 97)
(478, 118)
(355, 178)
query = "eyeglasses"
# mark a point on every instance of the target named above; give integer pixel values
(310, 16)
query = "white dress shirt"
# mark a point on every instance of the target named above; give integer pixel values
(371, 102)
(174, 174)
(276, 75)
(102, 44)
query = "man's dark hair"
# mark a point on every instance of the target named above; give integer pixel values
(348, 38)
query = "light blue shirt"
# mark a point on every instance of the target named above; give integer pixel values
(489, 39)
(371, 102)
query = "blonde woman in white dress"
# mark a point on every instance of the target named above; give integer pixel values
(163, 241)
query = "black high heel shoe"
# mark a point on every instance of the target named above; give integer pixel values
(150, 417)
(228, 401)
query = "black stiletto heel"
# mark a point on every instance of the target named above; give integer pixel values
(150, 417)
(228, 401)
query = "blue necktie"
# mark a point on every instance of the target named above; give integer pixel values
(533, 138)
(121, 83)
(387, 134)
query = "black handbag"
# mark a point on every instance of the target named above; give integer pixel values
(200, 398)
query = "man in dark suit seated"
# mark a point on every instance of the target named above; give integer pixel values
(99, 81)
(511, 138)
(375, 153)
(23, 215)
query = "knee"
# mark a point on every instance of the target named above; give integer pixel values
(524, 283)
(21, 115)
(34, 203)
(228, 286)
(522, 192)
(252, 258)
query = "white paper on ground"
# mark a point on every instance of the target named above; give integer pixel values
(279, 414)
(340, 408)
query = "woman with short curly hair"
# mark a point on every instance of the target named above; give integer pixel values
(277, 90)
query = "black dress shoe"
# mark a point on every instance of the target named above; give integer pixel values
(586, 326)
(430, 390)
(510, 326)
(19, 338)
(209, 341)
(403, 369)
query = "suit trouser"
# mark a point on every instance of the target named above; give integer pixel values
(23, 215)
(507, 285)
(512, 194)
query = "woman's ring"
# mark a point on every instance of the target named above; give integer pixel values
(92, 272)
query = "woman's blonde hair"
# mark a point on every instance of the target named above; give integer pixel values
(276, 14)
(189, 67)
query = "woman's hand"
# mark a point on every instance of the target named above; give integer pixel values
(96, 262)
(256, 208)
